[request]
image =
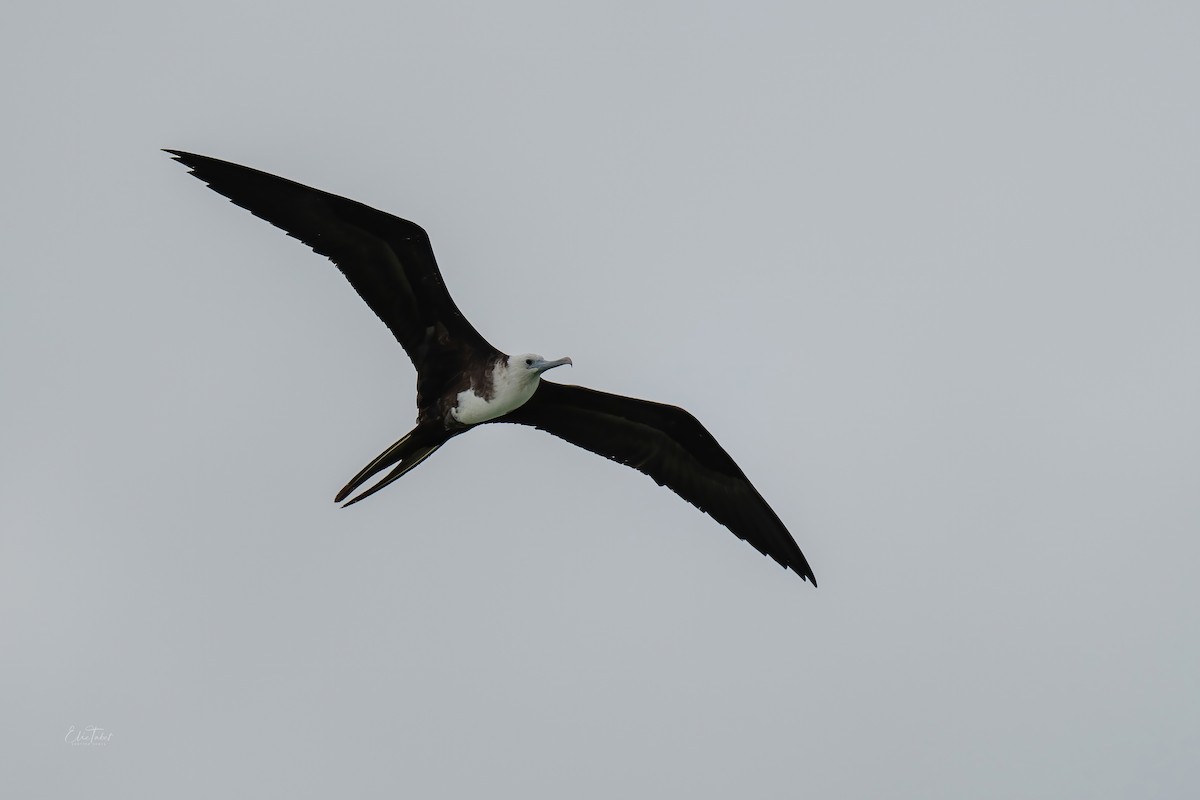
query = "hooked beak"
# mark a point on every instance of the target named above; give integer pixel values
(543, 365)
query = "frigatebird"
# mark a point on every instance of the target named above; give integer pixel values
(463, 381)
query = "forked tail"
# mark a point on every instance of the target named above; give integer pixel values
(416, 446)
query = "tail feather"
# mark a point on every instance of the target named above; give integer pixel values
(416, 446)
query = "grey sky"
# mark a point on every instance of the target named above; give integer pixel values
(928, 271)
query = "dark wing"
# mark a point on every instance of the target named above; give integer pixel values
(673, 448)
(387, 260)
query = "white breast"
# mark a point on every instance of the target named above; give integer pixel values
(510, 390)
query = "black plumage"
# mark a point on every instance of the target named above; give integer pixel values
(390, 263)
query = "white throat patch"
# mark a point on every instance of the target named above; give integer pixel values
(511, 388)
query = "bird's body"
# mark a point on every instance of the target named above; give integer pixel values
(507, 387)
(463, 381)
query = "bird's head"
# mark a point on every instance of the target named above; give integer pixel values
(530, 366)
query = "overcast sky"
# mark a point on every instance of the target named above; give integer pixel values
(929, 271)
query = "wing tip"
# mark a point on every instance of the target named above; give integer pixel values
(192, 161)
(801, 568)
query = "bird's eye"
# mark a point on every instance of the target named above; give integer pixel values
(529, 362)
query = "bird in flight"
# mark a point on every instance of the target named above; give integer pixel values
(462, 381)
